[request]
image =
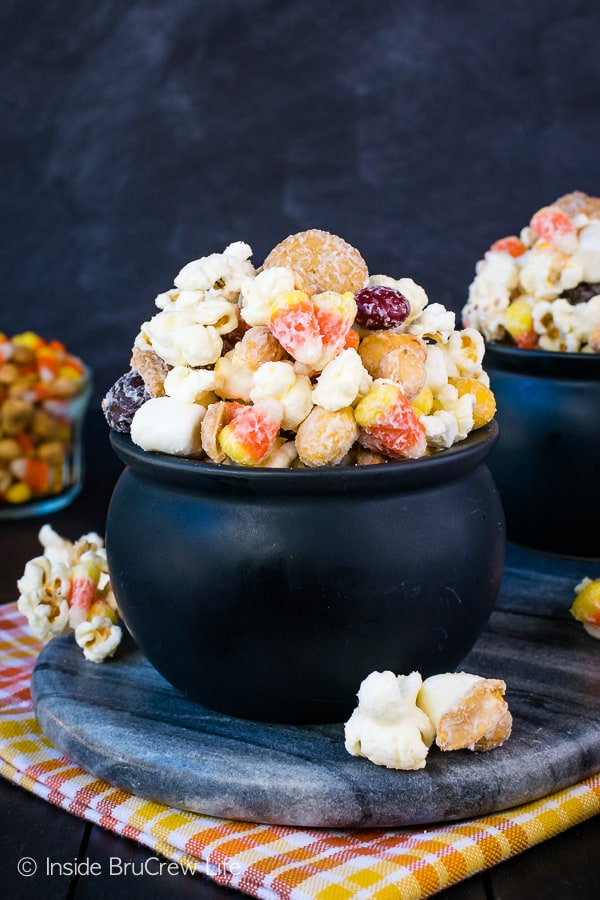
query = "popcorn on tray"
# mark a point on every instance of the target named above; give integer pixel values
(387, 727)
(541, 289)
(68, 588)
(398, 717)
(307, 361)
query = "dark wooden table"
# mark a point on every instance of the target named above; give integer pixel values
(563, 867)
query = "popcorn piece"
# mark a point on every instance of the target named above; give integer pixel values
(441, 429)
(191, 385)
(342, 381)
(588, 252)
(437, 365)
(166, 425)
(325, 436)
(250, 436)
(258, 293)
(225, 271)
(497, 276)
(448, 400)
(98, 638)
(56, 548)
(387, 727)
(466, 349)
(586, 607)
(44, 590)
(279, 381)
(180, 340)
(467, 711)
(435, 322)
(175, 300)
(234, 380)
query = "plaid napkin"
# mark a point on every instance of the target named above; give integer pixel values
(267, 861)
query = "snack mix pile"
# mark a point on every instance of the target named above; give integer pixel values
(541, 290)
(39, 382)
(67, 589)
(307, 361)
(399, 716)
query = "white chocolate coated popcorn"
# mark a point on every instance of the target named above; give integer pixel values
(467, 711)
(180, 340)
(342, 382)
(280, 381)
(190, 385)
(435, 322)
(387, 727)
(226, 270)
(258, 293)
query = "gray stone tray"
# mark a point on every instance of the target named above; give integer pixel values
(123, 722)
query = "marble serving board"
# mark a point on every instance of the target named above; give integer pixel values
(123, 722)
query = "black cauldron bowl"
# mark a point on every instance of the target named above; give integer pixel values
(270, 594)
(547, 461)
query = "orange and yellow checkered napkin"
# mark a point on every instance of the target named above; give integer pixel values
(267, 861)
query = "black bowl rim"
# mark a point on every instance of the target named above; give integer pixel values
(549, 363)
(442, 465)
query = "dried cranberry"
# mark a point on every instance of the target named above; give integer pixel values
(123, 400)
(381, 307)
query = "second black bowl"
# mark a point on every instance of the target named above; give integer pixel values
(547, 461)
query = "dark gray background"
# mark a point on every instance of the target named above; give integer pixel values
(139, 135)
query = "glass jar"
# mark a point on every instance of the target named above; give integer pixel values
(44, 395)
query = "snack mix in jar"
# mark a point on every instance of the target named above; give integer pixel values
(541, 289)
(44, 392)
(306, 361)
